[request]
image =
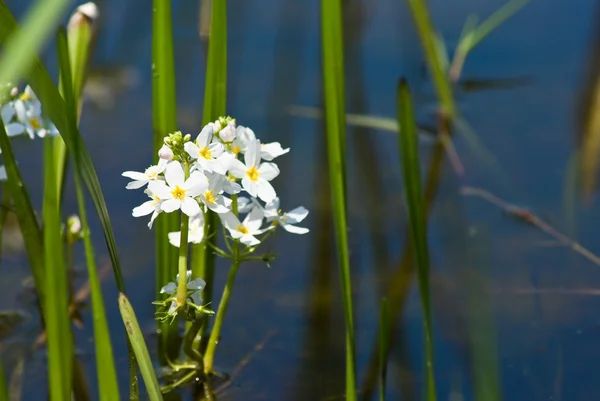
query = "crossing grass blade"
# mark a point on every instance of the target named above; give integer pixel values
(55, 108)
(20, 52)
(139, 348)
(32, 235)
(409, 154)
(105, 366)
(427, 34)
(333, 81)
(58, 328)
(164, 107)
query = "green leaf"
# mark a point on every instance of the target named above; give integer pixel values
(105, 366)
(164, 116)
(409, 154)
(333, 80)
(3, 386)
(28, 224)
(20, 52)
(58, 327)
(55, 108)
(139, 348)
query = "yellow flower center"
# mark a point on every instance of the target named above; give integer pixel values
(25, 96)
(155, 200)
(151, 172)
(236, 150)
(253, 173)
(206, 153)
(35, 124)
(242, 229)
(210, 197)
(178, 192)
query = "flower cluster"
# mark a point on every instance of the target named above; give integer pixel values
(207, 174)
(21, 113)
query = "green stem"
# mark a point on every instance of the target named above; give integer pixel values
(209, 355)
(183, 254)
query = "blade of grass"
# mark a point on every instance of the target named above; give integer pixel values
(409, 154)
(333, 80)
(28, 224)
(139, 348)
(164, 116)
(58, 328)
(427, 35)
(215, 104)
(55, 108)
(105, 367)
(20, 52)
(384, 329)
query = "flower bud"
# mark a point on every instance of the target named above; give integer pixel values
(14, 91)
(227, 134)
(165, 153)
(187, 138)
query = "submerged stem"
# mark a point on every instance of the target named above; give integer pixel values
(209, 355)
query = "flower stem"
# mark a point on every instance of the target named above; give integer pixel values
(183, 252)
(209, 355)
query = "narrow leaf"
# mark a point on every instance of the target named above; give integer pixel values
(409, 154)
(139, 348)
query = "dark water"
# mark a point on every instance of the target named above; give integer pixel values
(491, 274)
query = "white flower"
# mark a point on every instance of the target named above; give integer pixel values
(286, 220)
(245, 204)
(7, 112)
(255, 175)
(151, 206)
(212, 197)
(227, 134)
(193, 287)
(29, 114)
(141, 179)
(177, 192)
(246, 230)
(195, 231)
(243, 136)
(207, 154)
(269, 151)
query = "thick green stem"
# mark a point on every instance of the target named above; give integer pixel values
(209, 355)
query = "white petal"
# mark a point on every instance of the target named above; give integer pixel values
(205, 136)
(135, 184)
(144, 209)
(175, 238)
(169, 289)
(154, 216)
(268, 171)
(195, 185)
(294, 229)
(170, 205)
(244, 204)
(190, 207)
(237, 168)
(296, 215)
(219, 206)
(249, 240)
(174, 174)
(229, 221)
(272, 208)
(252, 155)
(192, 149)
(14, 129)
(269, 151)
(160, 189)
(3, 176)
(250, 186)
(216, 149)
(254, 219)
(196, 284)
(7, 112)
(135, 175)
(265, 191)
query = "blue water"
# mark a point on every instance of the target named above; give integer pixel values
(533, 294)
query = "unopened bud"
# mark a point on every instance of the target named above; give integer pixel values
(14, 91)
(74, 226)
(227, 134)
(187, 138)
(165, 153)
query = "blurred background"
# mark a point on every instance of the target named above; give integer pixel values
(502, 290)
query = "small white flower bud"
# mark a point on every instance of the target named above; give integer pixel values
(165, 153)
(227, 134)
(74, 225)
(14, 91)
